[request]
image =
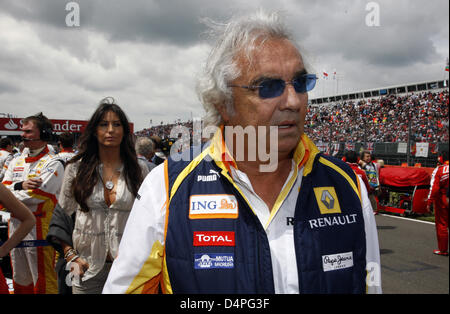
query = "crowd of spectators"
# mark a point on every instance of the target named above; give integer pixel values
(383, 119)
(163, 130)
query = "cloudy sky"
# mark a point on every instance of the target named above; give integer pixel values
(146, 54)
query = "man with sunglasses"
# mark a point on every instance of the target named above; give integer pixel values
(220, 223)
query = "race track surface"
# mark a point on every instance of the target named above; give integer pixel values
(408, 265)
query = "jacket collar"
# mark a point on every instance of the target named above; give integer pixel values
(304, 153)
(66, 150)
(44, 152)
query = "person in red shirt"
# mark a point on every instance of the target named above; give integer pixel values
(438, 196)
(351, 157)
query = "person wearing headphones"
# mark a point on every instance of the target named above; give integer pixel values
(35, 178)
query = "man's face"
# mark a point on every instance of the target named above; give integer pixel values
(278, 59)
(31, 136)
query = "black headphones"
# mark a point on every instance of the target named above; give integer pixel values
(46, 134)
(45, 127)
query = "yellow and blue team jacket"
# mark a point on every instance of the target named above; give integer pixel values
(41, 202)
(191, 230)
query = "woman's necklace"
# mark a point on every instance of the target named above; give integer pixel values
(109, 184)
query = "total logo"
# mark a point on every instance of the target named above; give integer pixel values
(214, 238)
(212, 206)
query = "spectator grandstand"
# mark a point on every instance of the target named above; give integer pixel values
(384, 119)
(163, 130)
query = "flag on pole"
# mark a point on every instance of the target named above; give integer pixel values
(402, 148)
(413, 149)
(422, 150)
(433, 148)
(335, 149)
(322, 146)
(349, 146)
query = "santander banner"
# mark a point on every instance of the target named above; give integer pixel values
(13, 125)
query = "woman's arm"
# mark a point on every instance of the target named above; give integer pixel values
(21, 212)
(79, 265)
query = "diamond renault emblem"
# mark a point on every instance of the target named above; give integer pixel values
(327, 199)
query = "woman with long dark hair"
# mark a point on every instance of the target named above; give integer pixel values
(100, 185)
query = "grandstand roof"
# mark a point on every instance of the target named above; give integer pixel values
(437, 85)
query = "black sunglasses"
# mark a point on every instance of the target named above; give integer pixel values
(271, 88)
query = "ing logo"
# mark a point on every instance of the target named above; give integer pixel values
(210, 206)
(327, 200)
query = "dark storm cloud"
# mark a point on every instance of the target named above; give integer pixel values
(328, 27)
(6, 87)
(147, 53)
(174, 22)
(404, 36)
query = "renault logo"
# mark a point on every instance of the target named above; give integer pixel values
(327, 200)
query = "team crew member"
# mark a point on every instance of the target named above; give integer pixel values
(66, 141)
(352, 159)
(6, 155)
(225, 224)
(439, 198)
(35, 178)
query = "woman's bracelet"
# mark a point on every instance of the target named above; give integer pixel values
(72, 259)
(70, 252)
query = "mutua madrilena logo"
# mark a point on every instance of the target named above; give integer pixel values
(204, 262)
(214, 260)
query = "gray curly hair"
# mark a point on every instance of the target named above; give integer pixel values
(240, 34)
